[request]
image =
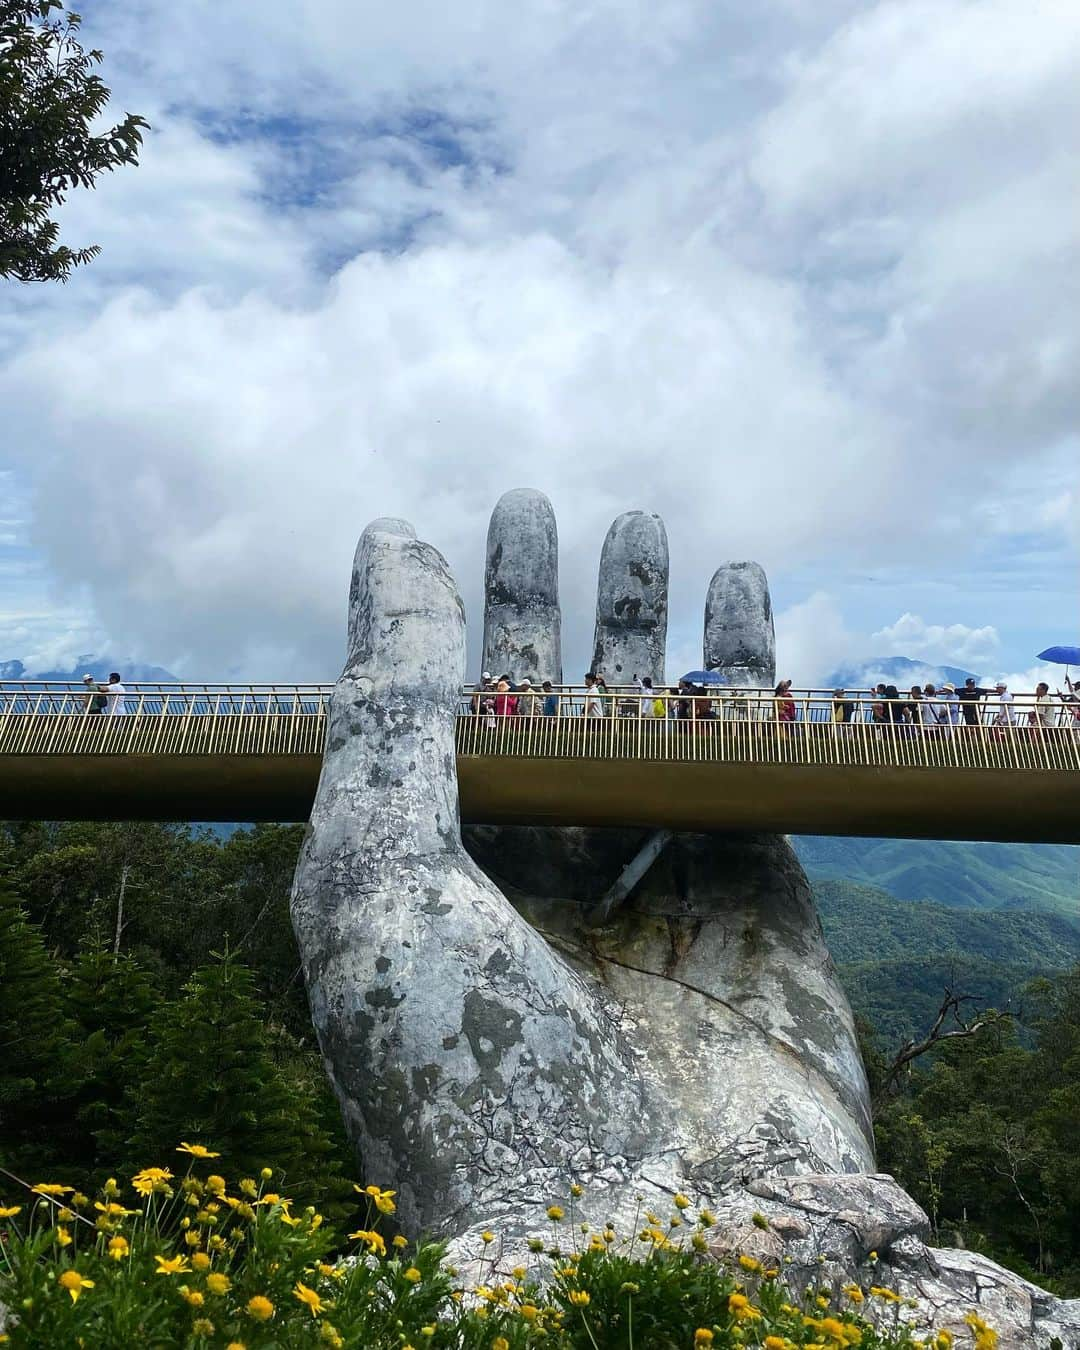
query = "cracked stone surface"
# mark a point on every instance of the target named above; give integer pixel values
(630, 638)
(522, 623)
(488, 1047)
(739, 636)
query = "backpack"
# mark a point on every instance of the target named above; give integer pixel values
(98, 703)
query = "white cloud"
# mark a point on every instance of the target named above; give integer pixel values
(804, 283)
(812, 639)
(952, 644)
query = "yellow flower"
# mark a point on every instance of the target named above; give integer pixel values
(555, 1213)
(197, 1151)
(487, 1237)
(63, 1237)
(682, 1202)
(373, 1241)
(202, 1326)
(200, 1261)
(703, 1336)
(51, 1188)
(260, 1308)
(332, 1336)
(412, 1275)
(175, 1265)
(854, 1293)
(576, 1190)
(151, 1179)
(775, 1343)
(290, 1219)
(383, 1199)
(9, 1211)
(215, 1184)
(698, 1243)
(193, 1296)
(889, 1295)
(579, 1298)
(706, 1218)
(308, 1297)
(66, 1215)
(112, 1209)
(985, 1337)
(748, 1263)
(74, 1283)
(400, 1242)
(500, 1343)
(741, 1306)
(191, 1237)
(217, 1283)
(216, 1243)
(529, 1312)
(943, 1340)
(118, 1248)
(236, 1345)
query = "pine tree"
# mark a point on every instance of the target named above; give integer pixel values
(213, 1079)
(40, 1071)
(110, 1000)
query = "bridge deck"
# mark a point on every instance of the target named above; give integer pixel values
(194, 762)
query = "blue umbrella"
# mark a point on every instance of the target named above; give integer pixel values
(1061, 656)
(703, 677)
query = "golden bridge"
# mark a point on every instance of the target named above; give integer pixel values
(729, 762)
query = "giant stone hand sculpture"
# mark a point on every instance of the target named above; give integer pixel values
(490, 1043)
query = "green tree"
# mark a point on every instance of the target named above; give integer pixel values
(49, 98)
(111, 1000)
(218, 1075)
(39, 1067)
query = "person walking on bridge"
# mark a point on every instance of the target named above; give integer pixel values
(115, 696)
(969, 699)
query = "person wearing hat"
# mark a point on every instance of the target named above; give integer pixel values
(95, 699)
(969, 698)
(843, 709)
(526, 702)
(950, 707)
(1005, 715)
(480, 688)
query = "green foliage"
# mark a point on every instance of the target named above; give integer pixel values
(49, 99)
(182, 1262)
(39, 1066)
(986, 1136)
(212, 1074)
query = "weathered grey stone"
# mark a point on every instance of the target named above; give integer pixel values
(739, 635)
(632, 600)
(522, 624)
(719, 960)
(467, 1056)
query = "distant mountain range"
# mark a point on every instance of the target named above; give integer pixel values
(98, 666)
(974, 876)
(898, 670)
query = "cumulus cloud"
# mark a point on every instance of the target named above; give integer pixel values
(953, 644)
(804, 284)
(812, 639)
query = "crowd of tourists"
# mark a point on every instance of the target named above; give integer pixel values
(927, 708)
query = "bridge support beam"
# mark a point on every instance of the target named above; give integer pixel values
(628, 878)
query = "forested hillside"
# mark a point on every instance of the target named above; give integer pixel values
(961, 875)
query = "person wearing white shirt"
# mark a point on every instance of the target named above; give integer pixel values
(115, 692)
(1006, 714)
(950, 706)
(932, 711)
(594, 706)
(1045, 714)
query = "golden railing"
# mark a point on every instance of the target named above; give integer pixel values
(732, 726)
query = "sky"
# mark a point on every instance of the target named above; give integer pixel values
(803, 276)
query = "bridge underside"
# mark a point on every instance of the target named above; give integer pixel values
(1014, 805)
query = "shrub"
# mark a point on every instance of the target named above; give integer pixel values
(190, 1260)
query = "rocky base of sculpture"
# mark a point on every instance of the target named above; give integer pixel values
(824, 1231)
